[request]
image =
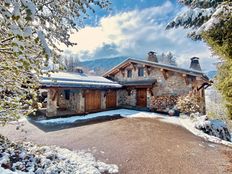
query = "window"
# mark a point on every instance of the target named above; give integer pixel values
(141, 72)
(67, 94)
(129, 73)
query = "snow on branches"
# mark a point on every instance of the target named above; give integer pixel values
(201, 16)
(29, 34)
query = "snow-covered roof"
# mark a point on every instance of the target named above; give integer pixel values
(76, 80)
(159, 65)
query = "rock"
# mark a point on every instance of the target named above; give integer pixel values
(22, 154)
(39, 171)
(216, 127)
(171, 112)
(51, 156)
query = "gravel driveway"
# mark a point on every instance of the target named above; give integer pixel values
(136, 145)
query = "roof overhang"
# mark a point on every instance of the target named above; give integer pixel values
(129, 61)
(139, 83)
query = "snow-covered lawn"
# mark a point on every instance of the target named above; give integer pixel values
(185, 122)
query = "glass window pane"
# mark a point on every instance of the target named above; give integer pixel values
(140, 72)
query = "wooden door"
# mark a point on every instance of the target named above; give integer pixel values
(92, 101)
(111, 98)
(142, 97)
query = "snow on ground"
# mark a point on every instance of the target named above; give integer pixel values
(122, 112)
(29, 158)
(7, 171)
(189, 125)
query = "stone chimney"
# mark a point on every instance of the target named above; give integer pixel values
(152, 56)
(195, 64)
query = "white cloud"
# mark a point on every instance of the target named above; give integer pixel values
(136, 32)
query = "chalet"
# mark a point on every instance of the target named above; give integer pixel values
(141, 84)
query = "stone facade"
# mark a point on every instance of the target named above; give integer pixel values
(76, 101)
(52, 102)
(164, 93)
(126, 98)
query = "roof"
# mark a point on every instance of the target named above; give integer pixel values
(76, 80)
(158, 65)
(137, 83)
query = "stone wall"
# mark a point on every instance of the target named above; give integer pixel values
(164, 93)
(103, 100)
(75, 102)
(52, 102)
(126, 97)
(174, 84)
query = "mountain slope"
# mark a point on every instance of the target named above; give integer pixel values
(100, 66)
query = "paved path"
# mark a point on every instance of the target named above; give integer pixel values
(136, 145)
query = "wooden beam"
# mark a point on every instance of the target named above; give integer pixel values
(185, 79)
(202, 86)
(151, 92)
(122, 72)
(128, 91)
(83, 93)
(165, 73)
(54, 94)
(133, 65)
(147, 69)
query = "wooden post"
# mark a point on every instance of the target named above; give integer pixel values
(52, 102)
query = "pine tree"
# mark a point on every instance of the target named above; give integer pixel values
(171, 59)
(167, 58)
(211, 20)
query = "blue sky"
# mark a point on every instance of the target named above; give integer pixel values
(134, 27)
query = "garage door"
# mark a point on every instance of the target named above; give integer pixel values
(111, 99)
(92, 100)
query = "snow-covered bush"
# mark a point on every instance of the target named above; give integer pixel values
(25, 158)
(188, 104)
(216, 127)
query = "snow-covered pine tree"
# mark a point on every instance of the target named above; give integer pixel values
(29, 34)
(171, 59)
(211, 20)
(167, 58)
(201, 15)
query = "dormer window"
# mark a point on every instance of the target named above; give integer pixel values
(129, 73)
(140, 72)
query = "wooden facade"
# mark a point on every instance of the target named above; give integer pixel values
(92, 101)
(111, 99)
(141, 97)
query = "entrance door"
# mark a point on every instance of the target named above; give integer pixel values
(92, 101)
(142, 97)
(111, 97)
